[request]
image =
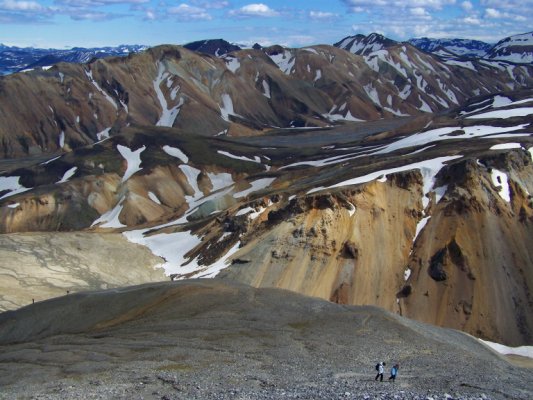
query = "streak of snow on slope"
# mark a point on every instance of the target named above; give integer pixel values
(256, 159)
(172, 247)
(462, 64)
(499, 179)
(448, 92)
(233, 64)
(285, 61)
(406, 274)
(175, 152)
(108, 98)
(424, 138)
(266, 88)
(110, 219)
(154, 198)
(67, 175)
(318, 75)
(133, 158)
(259, 184)
(404, 94)
(524, 351)
(192, 178)
(227, 107)
(434, 165)
(514, 112)
(12, 184)
(425, 64)
(420, 226)
(104, 134)
(425, 106)
(372, 93)
(168, 115)
(62, 139)
(505, 146)
(220, 181)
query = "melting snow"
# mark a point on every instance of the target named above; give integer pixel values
(233, 64)
(515, 112)
(462, 64)
(318, 75)
(524, 351)
(104, 134)
(256, 159)
(505, 146)
(67, 175)
(429, 169)
(285, 61)
(62, 139)
(175, 152)
(227, 107)
(424, 138)
(192, 177)
(266, 88)
(154, 198)
(500, 179)
(220, 181)
(12, 184)
(407, 274)
(255, 186)
(108, 98)
(168, 115)
(110, 219)
(133, 158)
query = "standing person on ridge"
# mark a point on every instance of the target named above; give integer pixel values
(380, 368)
(394, 372)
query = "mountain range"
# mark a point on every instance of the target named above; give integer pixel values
(370, 172)
(14, 59)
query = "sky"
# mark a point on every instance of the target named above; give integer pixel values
(92, 23)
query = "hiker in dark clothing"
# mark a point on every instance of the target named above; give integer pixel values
(394, 372)
(380, 368)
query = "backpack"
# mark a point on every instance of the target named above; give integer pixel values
(377, 367)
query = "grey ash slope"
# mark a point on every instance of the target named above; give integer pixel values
(219, 340)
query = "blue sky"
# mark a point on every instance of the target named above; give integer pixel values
(88, 23)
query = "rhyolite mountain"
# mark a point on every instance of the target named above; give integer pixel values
(394, 178)
(247, 92)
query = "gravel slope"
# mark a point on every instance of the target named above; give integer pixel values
(208, 339)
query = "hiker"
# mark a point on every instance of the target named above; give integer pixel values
(394, 372)
(380, 368)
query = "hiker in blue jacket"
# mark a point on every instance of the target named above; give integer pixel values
(380, 368)
(394, 372)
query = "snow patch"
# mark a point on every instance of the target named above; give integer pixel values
(67, 175)
(12, 184)
(499, 179)
(110, 219)
(175, 152)
(505, 146)
(133, 158)
(255, 186)
(524, 351)
(152, 196)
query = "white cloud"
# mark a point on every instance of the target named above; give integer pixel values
(185, 12)
(492, 13)
(254, 10)
(467, 6)
(12, 5)
(322, 15)
(211, 4)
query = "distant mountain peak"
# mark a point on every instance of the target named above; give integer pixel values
(458, 47)
(215, 47)
(364, 45)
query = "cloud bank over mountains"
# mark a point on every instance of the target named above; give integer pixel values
(274, 21)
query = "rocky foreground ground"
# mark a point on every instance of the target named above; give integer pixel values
(207, 339)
